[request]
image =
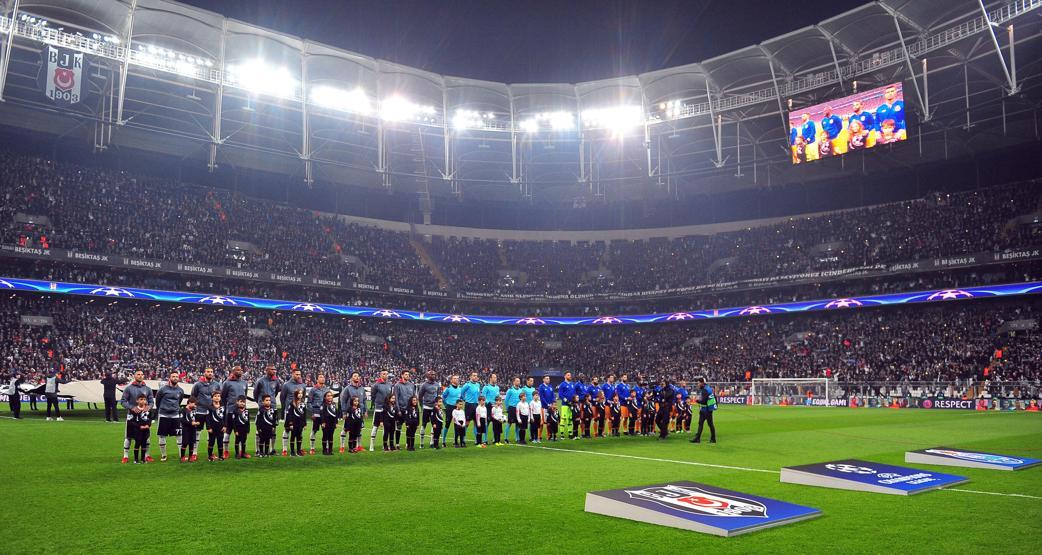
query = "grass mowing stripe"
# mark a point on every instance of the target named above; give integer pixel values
(694, 463)
(651, 459)
(994, 493)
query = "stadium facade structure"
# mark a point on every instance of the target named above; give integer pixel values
(172, 79)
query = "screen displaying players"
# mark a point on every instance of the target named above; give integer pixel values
(856, 122)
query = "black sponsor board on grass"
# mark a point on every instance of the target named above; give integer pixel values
(859, 475)
(697, 507)
(947, 456)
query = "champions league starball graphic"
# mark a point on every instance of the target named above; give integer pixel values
(844, 303)
(949, 294)
(38, 286)
(948, 456)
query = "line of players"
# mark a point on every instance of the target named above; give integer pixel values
(594, 410)
(863, 129)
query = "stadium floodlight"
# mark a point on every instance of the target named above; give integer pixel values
(397, 108)
(671, 109)
(259, 77)
(353, 101)
(466, 119)
(555, 121)
(615, 118)
(472, 119)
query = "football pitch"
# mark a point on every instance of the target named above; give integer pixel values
(66, 492)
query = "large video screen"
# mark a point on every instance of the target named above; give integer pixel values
(856, 122)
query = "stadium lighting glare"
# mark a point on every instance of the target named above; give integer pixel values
(529, 125)
(470, 119)
(258, 77)
(354, 101)
(616, 118)
(671, 109)
(397, 108)
(555, 121)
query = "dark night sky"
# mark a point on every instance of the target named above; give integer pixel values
(536, 40)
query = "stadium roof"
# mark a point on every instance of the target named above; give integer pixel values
(172, 78)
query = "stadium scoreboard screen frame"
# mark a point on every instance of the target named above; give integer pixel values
(856, 122)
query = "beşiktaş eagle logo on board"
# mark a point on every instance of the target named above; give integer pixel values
(700, 502)
(63, 75)
(979, 457)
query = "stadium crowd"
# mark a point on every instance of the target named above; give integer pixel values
(114, 212)
(949, 343)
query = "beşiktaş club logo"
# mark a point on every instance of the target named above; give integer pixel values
(850, 469)
(979, 457)
(700, 502)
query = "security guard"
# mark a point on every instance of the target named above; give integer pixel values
(707, 399)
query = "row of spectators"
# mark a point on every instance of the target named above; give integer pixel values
(946, 343)
(940, 225)
(850, 287)
(111, 211)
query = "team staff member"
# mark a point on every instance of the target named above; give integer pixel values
(203, 391)
(511, 400)
(268, 384)
(289, 392)
(232, 388)
(168, 403)
(449, 397)
(379, 391)
(316, 398)
(131, 393)
(666, 396)
(490, 392)
(470, 393)
(50, 392)
(353, 390)
(109, 383)
(428, 394)
(707, 402)
(15, 398)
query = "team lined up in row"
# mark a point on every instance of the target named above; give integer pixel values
(594, 410)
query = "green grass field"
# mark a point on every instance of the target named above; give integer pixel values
(65, 491)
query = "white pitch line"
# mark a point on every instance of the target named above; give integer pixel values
(693, 463)
(746, 469)
(994, 493)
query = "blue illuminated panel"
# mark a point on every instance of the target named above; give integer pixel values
(939, 295)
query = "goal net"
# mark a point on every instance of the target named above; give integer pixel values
(790, 391)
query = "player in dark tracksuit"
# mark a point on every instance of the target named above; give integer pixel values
(232, 388)
(666, 398)
(267, 421)
(428, 393)
(316, 397)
